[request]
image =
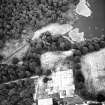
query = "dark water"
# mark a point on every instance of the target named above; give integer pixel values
(95, 24)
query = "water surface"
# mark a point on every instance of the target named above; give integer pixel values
(95, 24)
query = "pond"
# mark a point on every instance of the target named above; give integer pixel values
(93, 26)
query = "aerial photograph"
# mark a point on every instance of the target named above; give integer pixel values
(52, 52)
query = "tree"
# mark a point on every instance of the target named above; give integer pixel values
(28, 73)
(79, 77)
(77, 53)
(85, 94)
(101, 97)
(53, 17)
(79, 85)
(102, 44)
(48, 72)
(15, 60)
(45, 79)
(1, 44)
(55, 4)
(84, 50)
(77, 66)
(102, 38)
(32, 66)
(60, 3)
(91, 47)
(96, 46)
(77, 59)
(1, 57)
(64, 8)
(61, 20)
(38, 71)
